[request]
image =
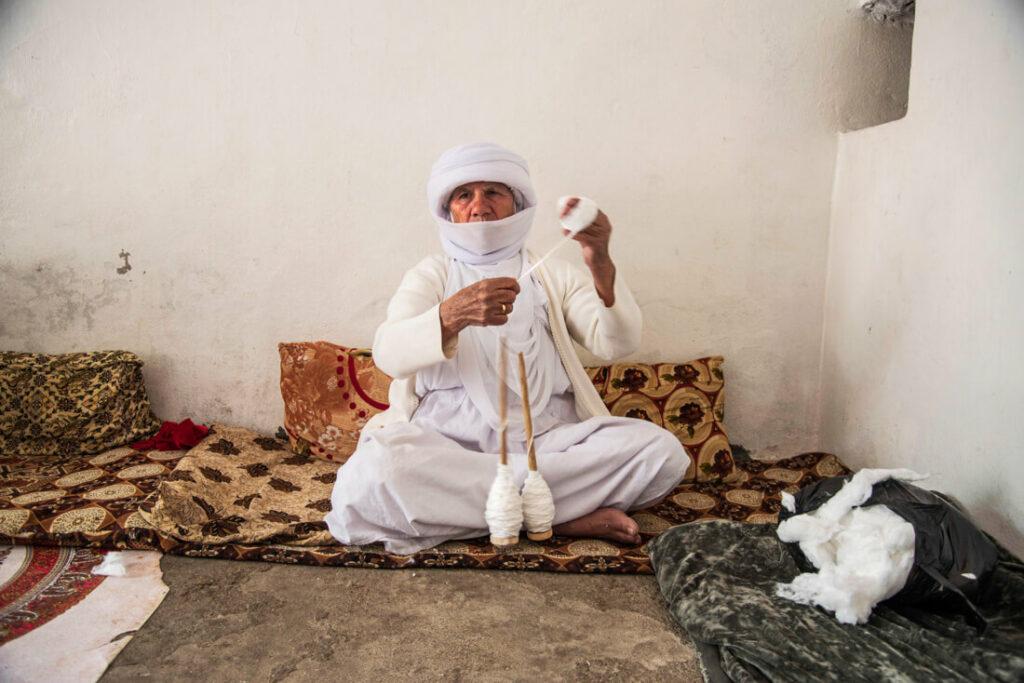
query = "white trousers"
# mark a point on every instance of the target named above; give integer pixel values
(411, 487)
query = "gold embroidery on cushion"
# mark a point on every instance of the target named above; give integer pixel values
(12, 520)
(38, 497)
(747, 497)
(77, 478)
(784, 475)
(694, 500)
(688, 415)
(82, 519)
(141, 471)
(111, 492)
(592, 547)
(637, 406)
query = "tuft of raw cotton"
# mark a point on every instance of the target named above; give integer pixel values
(863, 555)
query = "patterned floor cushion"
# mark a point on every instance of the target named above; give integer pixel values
(238, 486)
(259, 501)
(240, 495)
(80, 500)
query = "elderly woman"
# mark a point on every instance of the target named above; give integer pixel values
(423, 468)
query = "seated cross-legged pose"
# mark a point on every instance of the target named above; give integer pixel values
(422, 470)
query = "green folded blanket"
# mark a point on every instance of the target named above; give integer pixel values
(719, 581)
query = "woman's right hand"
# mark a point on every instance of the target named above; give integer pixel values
(486, 302)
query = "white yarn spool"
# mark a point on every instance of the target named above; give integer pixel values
(504, 510)
(581, 215)
(538, 507)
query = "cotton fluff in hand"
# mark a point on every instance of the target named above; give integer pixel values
(863, 555)
(581, 215)
(538, 503)
(504, 509)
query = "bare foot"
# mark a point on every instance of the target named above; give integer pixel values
(609, 523)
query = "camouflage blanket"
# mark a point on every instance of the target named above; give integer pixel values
(719, 578)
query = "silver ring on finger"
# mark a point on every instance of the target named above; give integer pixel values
(504, 309)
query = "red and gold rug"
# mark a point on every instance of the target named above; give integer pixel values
(40, 583)
(60, 621)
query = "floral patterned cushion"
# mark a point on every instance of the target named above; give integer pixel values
(330, 391)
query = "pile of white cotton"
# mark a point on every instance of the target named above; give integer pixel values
(863, 555)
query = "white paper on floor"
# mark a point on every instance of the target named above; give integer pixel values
(123, 564)
(78, 645)
(863, 555)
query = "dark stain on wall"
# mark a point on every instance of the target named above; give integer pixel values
(121, 270)
(43, 299)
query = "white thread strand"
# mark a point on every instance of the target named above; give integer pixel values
(538, 503)
(545, 257)
(504, 511)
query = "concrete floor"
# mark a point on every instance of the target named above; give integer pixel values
(252, 621)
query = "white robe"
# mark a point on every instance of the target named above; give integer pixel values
(414, 484)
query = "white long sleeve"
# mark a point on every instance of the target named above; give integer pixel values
(409, 340)
(410, 337)
(607, 332)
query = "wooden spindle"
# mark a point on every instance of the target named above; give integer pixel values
(527, 418)
(502, 400)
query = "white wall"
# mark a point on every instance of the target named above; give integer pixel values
(924, 325)
(264, 165)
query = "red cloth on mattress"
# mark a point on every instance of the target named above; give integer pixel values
(173, 436)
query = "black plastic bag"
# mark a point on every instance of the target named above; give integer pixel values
(953, 559)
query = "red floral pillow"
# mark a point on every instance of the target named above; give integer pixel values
(329, 393)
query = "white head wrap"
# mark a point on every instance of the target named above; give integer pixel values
(485, 241)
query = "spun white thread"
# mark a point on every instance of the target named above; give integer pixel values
(538, 503)
(581, 216)
(504, 510)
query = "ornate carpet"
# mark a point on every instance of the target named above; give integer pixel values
(61, 622)
(38, 584)
(244, 496)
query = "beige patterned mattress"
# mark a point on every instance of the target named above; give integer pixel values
(242, 495)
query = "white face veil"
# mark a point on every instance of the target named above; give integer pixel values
(484, 242)
(496, 249)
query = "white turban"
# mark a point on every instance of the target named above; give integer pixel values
(484, 241)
